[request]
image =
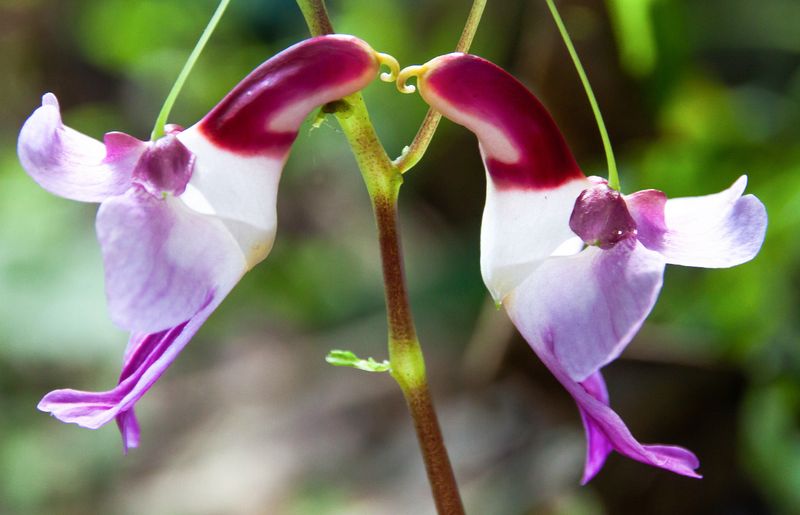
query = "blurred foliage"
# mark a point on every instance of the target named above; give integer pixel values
(695, 93)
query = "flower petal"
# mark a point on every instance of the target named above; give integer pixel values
(605, 429)
(73, 165)
(520, 229)
(147, 358)
(521, 144)
(598, 447)
(162, 259)
(589, 305)
(242, 144)
(713, 231)
(129, 430)
(532, 177)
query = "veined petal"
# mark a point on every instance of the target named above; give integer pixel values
(713, 231)
(147, 358)
(162, 260)
(72, 165)
(532, 177)
(243, 143)
(590, 305)
(605, 429)
(129, 430)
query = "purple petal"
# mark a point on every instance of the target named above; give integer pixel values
(714, 231)
(147, 358)
(605, 429)
(129, 430)
(598, 447)
(162, 259)
(73, 165)
(589, 305)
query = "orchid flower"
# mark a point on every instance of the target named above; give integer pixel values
(182, 218)
(578, 265)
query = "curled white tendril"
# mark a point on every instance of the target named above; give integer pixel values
(391, 63)
(405, 74)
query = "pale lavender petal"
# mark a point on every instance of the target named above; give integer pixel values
(714, 231)
(147, 358)
(606, 428)
(590, 304)
(598, 447)
(73, 165)
(162, 259)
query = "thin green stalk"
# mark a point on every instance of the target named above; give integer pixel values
(613, 176)
(414, 152)
(158, 129)
(471, 26)
(383, 182)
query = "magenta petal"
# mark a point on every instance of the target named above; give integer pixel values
(598, 447)
(606, 429)
(589, 305)
(73, 165)
(147, 358)
(262, 114)
(521, 144)
(713, 231)
(162, 259)
(129, 430)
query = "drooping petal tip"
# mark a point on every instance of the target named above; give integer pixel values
(606, 430)
(720, 230)
(70, 164)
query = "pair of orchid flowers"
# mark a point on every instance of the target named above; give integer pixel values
(577, 265)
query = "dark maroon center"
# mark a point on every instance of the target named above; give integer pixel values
(601, 218)
(165, 167)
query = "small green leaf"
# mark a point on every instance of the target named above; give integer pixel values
(345, 358)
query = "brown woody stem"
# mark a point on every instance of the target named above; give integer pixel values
(383, 180)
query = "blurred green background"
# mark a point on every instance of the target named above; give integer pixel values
(251, 420)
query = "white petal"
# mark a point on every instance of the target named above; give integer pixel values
(521, 228)
(240, 190)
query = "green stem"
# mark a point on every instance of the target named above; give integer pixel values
(471, 26)
(414, 152)
(383, 182)
(316, 16)
(613, 176)
(158, 129)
